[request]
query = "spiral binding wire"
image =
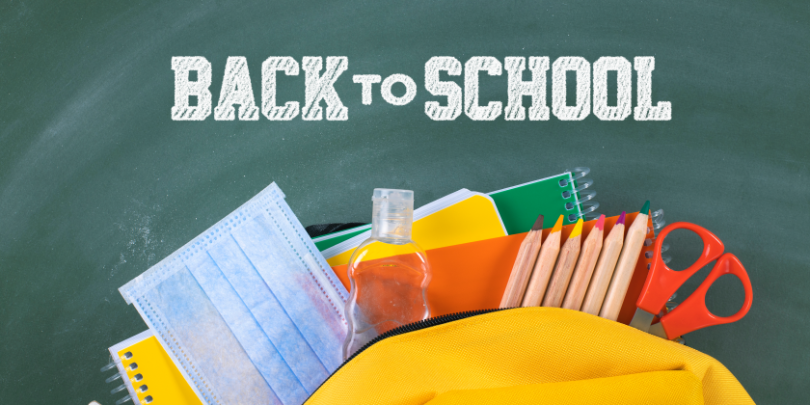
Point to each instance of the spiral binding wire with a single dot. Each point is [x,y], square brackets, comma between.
[587,207]
[658,223]
[115,377]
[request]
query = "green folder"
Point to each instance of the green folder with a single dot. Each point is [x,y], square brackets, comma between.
[519,206]
[324,242]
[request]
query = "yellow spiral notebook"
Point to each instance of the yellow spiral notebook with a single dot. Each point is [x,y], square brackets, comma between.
[149,374]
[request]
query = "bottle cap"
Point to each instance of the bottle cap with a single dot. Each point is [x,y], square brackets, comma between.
[392,215]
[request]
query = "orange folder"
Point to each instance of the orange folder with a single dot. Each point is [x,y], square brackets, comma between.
[473,276]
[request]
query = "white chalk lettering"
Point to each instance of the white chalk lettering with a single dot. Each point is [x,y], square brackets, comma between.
[437,87]
[193,100]
[471,86]
[185,89]
[322,88]
[366,81]
[270,110]
[644,110]
[410,89]
[236,89]
[536,88]
[624,90]
[559,106]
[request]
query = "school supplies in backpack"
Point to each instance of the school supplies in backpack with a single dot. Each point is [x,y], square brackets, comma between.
[461,217]
[567,194]
[473,276]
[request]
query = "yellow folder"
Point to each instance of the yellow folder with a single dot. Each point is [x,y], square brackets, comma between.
[461,217]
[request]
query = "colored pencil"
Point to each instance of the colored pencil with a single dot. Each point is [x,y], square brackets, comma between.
[543,267]
[524,263]
[585,265]
[565,267]
[604,268]
[626,265]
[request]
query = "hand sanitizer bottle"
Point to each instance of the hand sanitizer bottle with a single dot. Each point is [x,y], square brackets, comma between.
[389,273]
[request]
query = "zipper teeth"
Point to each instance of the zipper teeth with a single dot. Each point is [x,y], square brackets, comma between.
[418,325]
[411,327]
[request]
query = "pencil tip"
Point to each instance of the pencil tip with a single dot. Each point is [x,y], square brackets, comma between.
[577,229]
[538,225]
[646,208]
[600,223]
[621,219]
[558,224]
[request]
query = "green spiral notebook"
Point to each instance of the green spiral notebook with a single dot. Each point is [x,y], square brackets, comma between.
[563,194]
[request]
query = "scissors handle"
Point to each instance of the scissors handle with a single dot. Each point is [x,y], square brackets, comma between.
[662,281]
[693,314]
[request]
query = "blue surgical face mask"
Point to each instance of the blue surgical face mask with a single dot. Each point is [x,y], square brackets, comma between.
[249,311]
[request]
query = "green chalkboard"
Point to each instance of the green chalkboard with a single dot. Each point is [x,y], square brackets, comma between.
[98,183]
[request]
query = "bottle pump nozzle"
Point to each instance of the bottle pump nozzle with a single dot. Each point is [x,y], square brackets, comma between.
[392,214]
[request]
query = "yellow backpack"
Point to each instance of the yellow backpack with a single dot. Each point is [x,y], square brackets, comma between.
[527,356]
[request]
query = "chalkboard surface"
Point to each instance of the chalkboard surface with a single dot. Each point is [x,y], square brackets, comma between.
[97,183]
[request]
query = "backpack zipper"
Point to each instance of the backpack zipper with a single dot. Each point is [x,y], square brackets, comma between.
[411,327]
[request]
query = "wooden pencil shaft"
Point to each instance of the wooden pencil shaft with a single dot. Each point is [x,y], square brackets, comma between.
[562,272]
[582,273]
[542,271]
[520,262]
[624,268]
[600,279]
[522,270]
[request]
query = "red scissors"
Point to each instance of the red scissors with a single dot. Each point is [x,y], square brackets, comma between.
[662,282]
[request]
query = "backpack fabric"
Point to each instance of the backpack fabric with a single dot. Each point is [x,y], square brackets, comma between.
[530,356]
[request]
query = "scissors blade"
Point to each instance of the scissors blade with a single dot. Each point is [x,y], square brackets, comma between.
[658,330]
[642,320]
